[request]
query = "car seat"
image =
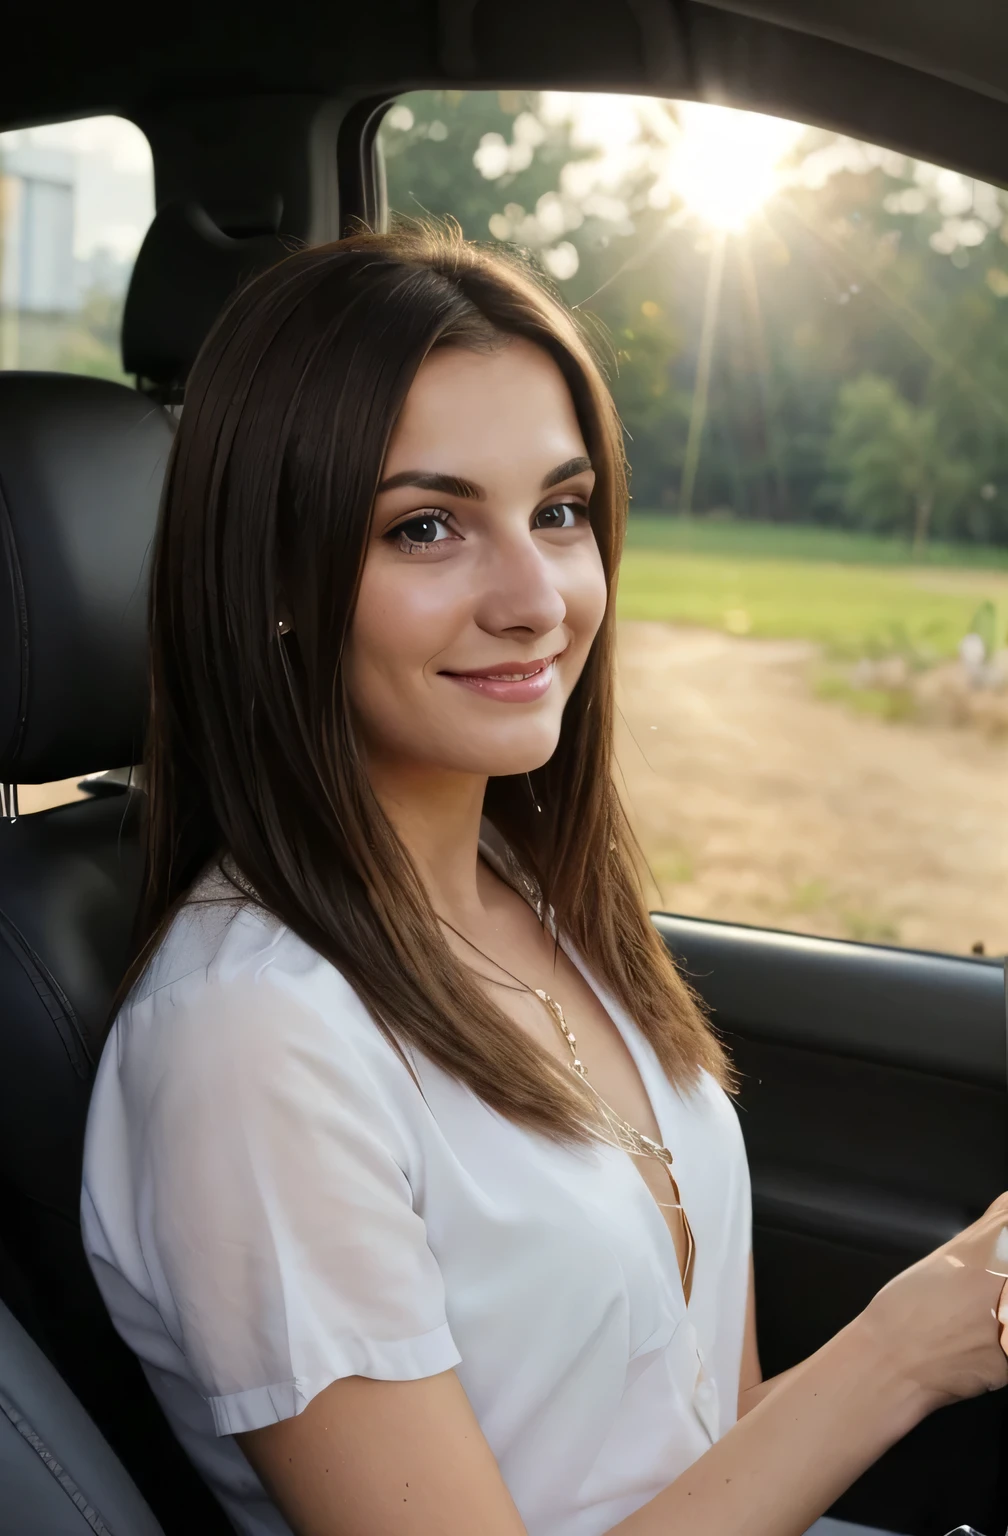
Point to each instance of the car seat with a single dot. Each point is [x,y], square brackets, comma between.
[81,467]
[58,1475]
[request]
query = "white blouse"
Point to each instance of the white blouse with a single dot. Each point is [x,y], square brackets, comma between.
[269,1204]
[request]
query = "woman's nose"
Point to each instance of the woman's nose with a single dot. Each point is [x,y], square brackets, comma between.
[520,590]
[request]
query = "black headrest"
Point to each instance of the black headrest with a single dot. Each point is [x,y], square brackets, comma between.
[81,467]
[185,272]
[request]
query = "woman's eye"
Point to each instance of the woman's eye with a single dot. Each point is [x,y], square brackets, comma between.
[563,514]
[420,532]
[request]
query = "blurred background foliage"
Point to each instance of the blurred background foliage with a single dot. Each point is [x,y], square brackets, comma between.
[857,359]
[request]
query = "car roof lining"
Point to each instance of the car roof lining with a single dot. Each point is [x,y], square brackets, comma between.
[897,74]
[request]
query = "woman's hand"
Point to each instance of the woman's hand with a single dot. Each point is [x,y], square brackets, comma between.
[938,1322]
[929,1337]
[410,1455]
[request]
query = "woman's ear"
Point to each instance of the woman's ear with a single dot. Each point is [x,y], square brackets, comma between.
[284,622]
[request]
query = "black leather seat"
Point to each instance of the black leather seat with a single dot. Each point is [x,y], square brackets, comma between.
[81,466]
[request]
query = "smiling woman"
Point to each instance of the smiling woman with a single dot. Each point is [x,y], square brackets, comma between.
[431,589]
[342,605]
[438,1217]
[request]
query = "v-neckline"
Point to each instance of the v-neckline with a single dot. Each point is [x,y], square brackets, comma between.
[635,1044]
[502,861]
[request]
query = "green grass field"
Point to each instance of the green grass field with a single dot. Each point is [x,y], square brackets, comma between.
[852,593]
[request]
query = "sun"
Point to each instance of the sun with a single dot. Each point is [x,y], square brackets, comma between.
[726,164]
[716,164]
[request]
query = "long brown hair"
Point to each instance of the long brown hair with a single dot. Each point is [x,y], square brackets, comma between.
[252,749]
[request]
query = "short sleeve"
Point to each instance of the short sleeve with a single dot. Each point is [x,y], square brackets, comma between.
[277,1220]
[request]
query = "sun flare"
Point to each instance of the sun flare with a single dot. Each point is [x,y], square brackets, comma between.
[726,164]
[718,164]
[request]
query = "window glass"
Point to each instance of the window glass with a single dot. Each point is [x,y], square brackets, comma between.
[75,202]
[807,339]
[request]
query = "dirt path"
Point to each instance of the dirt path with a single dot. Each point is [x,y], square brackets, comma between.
[757,802]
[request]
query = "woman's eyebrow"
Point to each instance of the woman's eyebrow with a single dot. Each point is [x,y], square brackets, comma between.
[454,485]
[566,471]
[431,480]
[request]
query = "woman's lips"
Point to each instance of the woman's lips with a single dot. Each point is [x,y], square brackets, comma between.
[504,685]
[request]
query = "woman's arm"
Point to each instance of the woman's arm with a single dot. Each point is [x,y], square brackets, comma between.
[408,1458]
[385,1458]
[796,1451]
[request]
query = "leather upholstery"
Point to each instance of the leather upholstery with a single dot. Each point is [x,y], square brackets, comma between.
[185,272]
[81,466]
[58,1475]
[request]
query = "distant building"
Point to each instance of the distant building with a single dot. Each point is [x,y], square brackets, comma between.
[37,272]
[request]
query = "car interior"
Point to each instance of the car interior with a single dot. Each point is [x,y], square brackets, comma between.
[874,1095]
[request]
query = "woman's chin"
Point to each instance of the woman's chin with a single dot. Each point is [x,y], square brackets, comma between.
[527,765]
[512,762]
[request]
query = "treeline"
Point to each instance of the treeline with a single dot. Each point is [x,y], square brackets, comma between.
[859,369]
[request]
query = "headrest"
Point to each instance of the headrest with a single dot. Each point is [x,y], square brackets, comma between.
[185,272]
[81,467]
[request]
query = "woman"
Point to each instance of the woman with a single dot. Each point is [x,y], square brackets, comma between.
[391,1265]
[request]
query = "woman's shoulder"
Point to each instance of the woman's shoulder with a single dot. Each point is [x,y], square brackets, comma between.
[232,993]
[220,938]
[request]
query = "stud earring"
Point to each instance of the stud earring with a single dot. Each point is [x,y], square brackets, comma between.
[283,627]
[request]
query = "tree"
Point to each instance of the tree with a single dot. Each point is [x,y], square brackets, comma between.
[498,165]
[874,265]
[891,469]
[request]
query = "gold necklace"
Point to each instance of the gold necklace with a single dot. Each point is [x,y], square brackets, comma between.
[630,1139]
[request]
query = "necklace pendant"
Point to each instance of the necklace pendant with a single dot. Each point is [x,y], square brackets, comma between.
[553,1006]
[653,1149]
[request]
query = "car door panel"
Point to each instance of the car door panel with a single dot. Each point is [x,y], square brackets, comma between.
[874,1103]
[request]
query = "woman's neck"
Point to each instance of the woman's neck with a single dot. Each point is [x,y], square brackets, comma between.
[438,817]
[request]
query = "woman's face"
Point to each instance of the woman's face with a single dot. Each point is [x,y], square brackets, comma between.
[483,587]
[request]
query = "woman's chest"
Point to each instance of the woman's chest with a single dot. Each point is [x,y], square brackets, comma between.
[561,1281]
[538,986]
[591,1038]
[554,1241]
[563,1296]
[567,1018]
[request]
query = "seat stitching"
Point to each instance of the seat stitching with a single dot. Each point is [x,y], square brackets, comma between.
[59,1472]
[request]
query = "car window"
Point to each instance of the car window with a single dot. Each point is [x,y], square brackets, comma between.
[75,202]
[806,337]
